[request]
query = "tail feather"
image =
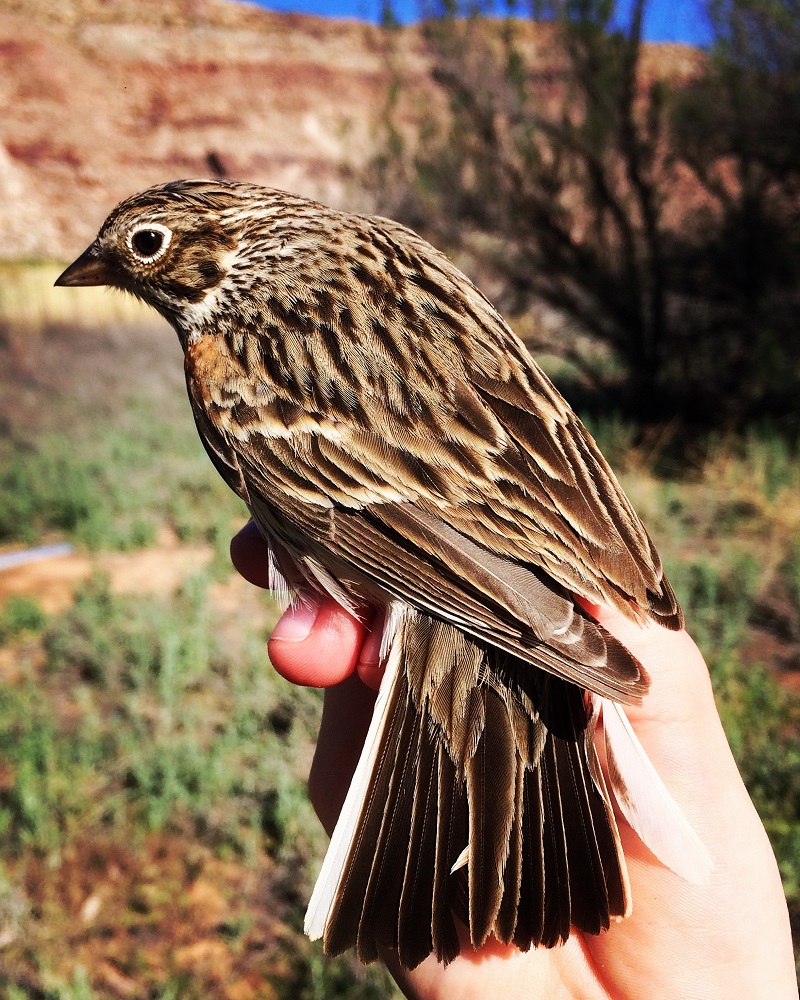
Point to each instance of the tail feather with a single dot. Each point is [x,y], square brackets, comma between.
[556,886]
[508,913]
[529,928]
[516,799]
[385,855]
[490,776]
[340,880]
[415,919]
[588,878]
[451,836]
[646,803]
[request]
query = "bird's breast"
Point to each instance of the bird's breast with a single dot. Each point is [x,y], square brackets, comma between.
[239,404]
[210,367]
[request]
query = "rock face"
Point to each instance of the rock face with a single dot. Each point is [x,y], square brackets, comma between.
[101,98]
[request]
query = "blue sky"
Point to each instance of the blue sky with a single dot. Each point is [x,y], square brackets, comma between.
[666,21]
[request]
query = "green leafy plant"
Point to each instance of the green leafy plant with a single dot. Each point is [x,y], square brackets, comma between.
[21,615]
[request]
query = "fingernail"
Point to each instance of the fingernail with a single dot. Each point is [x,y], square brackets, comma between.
[298,621]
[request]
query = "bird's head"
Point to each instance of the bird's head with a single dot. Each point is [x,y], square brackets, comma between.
[179,245]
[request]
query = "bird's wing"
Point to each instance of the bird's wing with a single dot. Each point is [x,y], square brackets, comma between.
[537,494]
[431,399]
[435,457]
[418,559]
[519,473]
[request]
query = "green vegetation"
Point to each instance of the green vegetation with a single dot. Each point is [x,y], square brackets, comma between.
[20,615]
[152,722]
[114,486]
[141,740]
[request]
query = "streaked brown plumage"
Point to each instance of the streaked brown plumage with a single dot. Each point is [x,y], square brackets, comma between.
[392,435]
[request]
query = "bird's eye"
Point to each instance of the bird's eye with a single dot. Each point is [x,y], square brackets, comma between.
[148,243]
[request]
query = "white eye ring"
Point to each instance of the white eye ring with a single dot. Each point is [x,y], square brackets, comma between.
[154,228]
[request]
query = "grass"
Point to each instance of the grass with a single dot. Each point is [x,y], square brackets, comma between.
[20,615]
[114,486]
[148,722]
[99,445]
[154,832]
[150,669]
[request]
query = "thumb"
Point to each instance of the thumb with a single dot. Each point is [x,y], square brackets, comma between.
[316,642]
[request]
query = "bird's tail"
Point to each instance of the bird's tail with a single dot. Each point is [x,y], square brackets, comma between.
[478,798]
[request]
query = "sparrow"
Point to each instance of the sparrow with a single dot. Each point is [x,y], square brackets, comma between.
[398,447]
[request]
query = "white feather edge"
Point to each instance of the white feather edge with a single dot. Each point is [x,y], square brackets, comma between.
[321,902]
[282,591]
[461,861]
[646,804]
[317,575]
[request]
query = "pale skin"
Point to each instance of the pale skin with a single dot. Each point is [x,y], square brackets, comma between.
[729,938]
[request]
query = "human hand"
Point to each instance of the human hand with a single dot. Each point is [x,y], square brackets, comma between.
[729,938]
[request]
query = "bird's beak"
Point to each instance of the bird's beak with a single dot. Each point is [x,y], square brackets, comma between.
[89,269]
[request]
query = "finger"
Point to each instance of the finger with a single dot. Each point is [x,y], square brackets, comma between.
[370,667]
[680,686]
[317,643]
[680,730]
[250,555]
[346,715]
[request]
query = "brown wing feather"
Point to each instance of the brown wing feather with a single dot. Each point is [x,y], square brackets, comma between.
[302,497]
[398,567]
[420,393]
[569,493]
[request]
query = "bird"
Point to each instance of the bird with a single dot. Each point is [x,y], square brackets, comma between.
[397,446]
